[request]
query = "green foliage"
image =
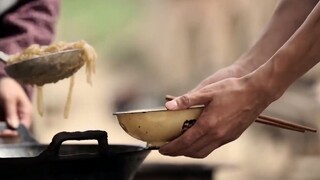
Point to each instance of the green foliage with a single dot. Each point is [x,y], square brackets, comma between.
[96,21]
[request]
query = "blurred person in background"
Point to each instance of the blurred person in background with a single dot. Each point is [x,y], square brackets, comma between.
[235,95]
[22,23]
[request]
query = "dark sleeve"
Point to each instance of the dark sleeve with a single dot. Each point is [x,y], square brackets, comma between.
[29,22]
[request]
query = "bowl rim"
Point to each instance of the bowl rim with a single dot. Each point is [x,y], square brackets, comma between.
[153,110]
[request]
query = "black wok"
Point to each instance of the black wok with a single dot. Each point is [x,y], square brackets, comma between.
[30,160]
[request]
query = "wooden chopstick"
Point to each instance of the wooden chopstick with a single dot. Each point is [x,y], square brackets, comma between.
[169,97]
[280,121]
[262,121]
[273,121]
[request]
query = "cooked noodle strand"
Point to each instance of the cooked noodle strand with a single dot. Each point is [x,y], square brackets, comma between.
[40,100]
[69,98]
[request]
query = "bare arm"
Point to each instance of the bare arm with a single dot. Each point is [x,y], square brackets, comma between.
[299,54]
[287,18]
[232,104]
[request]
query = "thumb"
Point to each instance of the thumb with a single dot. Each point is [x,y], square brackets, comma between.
[11,113]
[187,100]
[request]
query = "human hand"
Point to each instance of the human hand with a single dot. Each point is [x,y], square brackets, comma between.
[17,106]
[231,105]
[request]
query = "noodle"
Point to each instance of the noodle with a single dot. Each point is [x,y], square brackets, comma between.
[69,98]
[40,100]
[89,56]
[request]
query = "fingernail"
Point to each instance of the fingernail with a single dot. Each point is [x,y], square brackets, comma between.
[172,105]
[14,123]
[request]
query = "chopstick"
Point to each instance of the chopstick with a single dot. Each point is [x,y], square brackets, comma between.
[280,121]
[263,119]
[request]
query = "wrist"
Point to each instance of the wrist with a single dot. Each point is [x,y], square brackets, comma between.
[267,82]
[252,60]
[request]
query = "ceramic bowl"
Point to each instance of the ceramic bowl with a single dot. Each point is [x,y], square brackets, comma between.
[157,126]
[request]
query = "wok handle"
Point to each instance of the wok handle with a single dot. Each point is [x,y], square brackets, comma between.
[53,149]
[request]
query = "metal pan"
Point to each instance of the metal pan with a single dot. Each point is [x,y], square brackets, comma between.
[55,161]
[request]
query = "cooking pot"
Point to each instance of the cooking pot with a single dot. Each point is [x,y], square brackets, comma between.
[31,160]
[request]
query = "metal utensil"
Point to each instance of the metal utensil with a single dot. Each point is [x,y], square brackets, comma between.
[4,57]
[24,134]
[45,69]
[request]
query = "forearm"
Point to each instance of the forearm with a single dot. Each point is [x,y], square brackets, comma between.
[287,18]
[298,55]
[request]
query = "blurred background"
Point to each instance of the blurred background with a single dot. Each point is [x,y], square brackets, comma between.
[148,49]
